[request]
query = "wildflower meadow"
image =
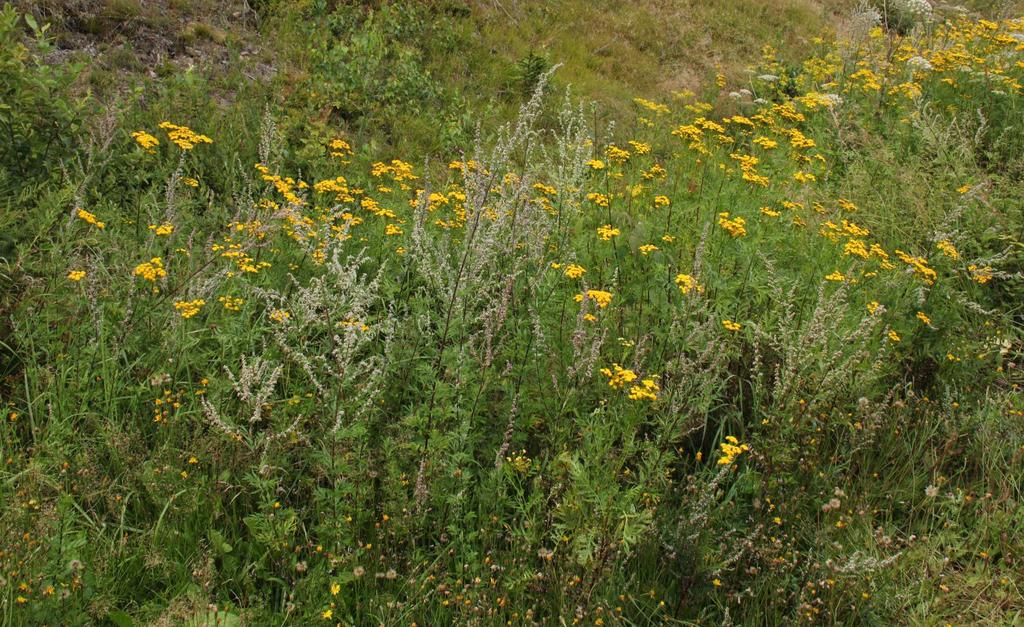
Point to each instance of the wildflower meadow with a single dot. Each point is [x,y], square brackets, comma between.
[746,351]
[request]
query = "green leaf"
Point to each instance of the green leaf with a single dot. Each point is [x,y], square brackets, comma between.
[119,618]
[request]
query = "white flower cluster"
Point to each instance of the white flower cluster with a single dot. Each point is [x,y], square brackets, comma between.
[920,9]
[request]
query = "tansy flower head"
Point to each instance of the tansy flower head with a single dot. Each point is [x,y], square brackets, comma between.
[602,298]
[607,232]
[688,284]
[150,270]
[184,137]
[735,227]
[91,219]
[646,391]
[618,376]
[574,271]
[189,308]
[146,141]
[731,449]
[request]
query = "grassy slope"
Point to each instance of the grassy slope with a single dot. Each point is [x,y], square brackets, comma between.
[464,55]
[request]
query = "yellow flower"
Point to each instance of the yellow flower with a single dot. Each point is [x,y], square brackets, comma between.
[76,275]
[616,154]
[618,376]
[280,315]
[91,219]
[923,317]
[231,303]
[948,249]
[647,390]
[607,232]
[146,141]
[734,226]
[731,449]
[327,614]
[150,270]
[339,148]
[873,306]
[895,337]
[647,249]
[662,201]
[574,271]
[687,284]
[602,298]
[184,137]
[601,200]
[162,229]
[596,164]
[189,308]
[335,589]
[980,275]
[836,276]
[392,229]
[731,326]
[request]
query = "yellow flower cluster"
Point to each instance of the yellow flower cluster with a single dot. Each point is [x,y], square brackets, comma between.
[607,232]
[735,227]
[948,249]
[91,219]
[184,137]
[601,200]
[339,148]
[646,391]
[602,298]
[162,229]
[146,141]
[688,284]
[731,449]
[150,270]
[189,308]
[919,265]
[574,271]
[618,376]
[397,170]
[231,303]
[981,275]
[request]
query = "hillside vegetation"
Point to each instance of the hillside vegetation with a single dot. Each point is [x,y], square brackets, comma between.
[442,313]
